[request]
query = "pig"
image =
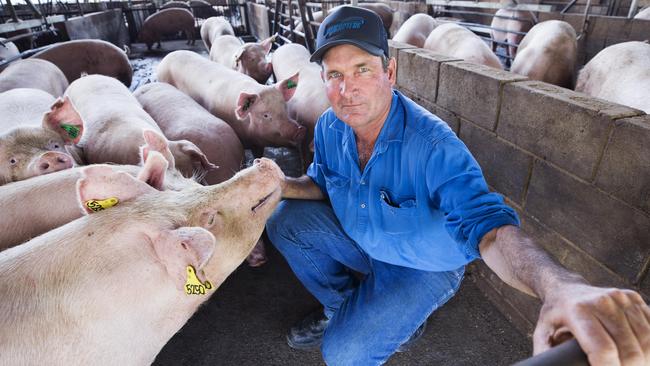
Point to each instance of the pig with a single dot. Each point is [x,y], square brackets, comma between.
[112,287]
[619,73]
[310,99]
[34,74]
[415,30]
[257,113]
[115,123]
[90,56]
[548,53]
[176,4]
[453,40]
[43,203]
[643,14]
[214,27]
[505,22]
[202,9]
[8,50]
[181,118]
[248,58]
[166,22]
[28,149]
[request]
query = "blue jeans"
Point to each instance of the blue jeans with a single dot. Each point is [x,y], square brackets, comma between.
[369,318]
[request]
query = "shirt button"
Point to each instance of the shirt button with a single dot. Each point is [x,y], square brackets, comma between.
[363,205]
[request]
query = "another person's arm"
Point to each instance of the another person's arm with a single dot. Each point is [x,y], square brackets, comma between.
[611,325]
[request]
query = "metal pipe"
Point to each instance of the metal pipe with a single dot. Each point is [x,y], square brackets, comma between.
[633,7]
[12,11]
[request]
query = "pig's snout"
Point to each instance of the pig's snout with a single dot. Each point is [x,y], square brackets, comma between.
[268,166]
[53,162]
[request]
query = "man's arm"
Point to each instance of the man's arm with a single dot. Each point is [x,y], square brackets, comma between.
[611,325]
[301,188]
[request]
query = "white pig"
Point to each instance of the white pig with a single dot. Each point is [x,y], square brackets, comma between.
[451,39]
[548,53]
[42,203]
[619,74]
[247,58]
[257,113]
[35,74]
[415,30]
[115,122]
[111,288]
[506,22]
[643,14]
[214,27]
[34,132]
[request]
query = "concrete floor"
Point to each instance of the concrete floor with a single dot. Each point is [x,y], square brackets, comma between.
[245,321]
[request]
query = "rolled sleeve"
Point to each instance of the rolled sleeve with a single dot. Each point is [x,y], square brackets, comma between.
[456,183]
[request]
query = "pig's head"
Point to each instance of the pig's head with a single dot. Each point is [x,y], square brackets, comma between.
[270,124]
[234,212]
[182,155]
[251,59]
[26,152]
[169,248]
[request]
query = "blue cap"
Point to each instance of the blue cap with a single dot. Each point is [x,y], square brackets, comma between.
[351,25]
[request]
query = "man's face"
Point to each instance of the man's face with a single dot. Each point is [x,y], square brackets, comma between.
[358,88]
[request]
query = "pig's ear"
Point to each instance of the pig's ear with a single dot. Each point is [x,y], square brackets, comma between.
[64,119]
[288,86]
[237,58]
[199,161]
[268,43]
[153,171]
[156,142]
[244,104]
[176,249]
[101,187]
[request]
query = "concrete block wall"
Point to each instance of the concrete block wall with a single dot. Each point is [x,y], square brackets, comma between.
[106,25]
[577,169]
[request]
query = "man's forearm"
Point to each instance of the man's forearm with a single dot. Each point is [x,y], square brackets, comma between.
[519,262]
[301,188]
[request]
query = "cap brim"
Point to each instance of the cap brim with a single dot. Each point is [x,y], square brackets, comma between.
[317,56]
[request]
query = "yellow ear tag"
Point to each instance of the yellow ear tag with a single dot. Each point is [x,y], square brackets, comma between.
[193,286]
[98,205]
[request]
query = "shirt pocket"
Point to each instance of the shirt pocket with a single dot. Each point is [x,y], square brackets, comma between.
[398,214]
[333,180]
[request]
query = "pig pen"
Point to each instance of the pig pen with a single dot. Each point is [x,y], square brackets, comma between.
[246,320]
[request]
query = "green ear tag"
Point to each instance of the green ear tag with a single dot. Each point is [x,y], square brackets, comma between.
[72,130]
[291,84]
[247,104]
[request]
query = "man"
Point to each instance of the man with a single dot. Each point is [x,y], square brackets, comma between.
[408,208]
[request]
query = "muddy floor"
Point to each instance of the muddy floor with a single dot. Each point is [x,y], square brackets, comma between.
[246,320]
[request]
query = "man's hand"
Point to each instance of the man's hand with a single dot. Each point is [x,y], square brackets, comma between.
[611,325]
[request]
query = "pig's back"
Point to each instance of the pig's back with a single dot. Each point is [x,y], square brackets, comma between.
[180,118]
[91,56]
[210,84]
[223,50]
[415,30]
[169,20]
[289,59]
[456,41]
[23,107]
[35,74]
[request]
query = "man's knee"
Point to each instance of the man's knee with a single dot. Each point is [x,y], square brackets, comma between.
[339,350]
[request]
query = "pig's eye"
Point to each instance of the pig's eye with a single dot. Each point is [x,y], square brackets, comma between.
[211,220]
[267,116]
[13,161]
[56,146]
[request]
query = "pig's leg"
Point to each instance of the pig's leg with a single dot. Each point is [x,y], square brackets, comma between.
[258,256]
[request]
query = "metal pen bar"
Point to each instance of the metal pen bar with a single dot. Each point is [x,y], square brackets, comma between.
[568,353]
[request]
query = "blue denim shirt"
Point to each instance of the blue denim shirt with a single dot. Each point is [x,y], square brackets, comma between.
[421,201]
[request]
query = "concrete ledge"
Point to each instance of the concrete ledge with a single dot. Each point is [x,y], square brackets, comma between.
[472,91]
[105,25]
[567,128]
[419,69]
